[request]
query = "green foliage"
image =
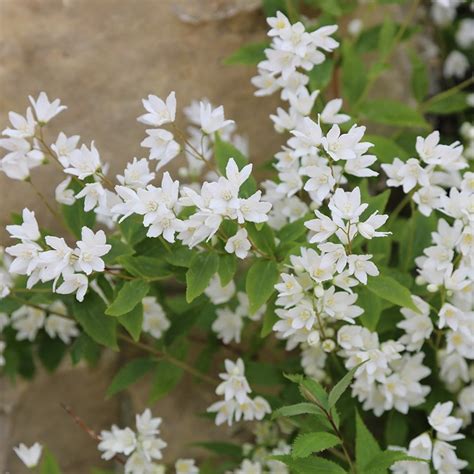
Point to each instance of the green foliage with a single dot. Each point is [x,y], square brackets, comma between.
[321,74]
[354,75]
[49,464]
[131,293]
[306,444]
[227,268]
[303,408]
[249,54]
[74,216]
[372,307]
[337,391]
[386,149]
[366,447]
[389,289]
[310,465]
[202,269]
[130,373]
[447,104]
[148,268]
[391,112]
[133,321]
[90,314]
[419,77]
[263,237]
[259,285]
[166,377]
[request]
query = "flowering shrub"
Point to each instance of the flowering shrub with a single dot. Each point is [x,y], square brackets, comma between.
[356,254]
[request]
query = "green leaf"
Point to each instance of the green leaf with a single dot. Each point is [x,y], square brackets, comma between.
[371,305]
[221,448]
[130,373]
[259,285]
[321,74]
[419,77]
[396,429]
[260,373]
[303,408]
[50,351]
[366,446]
[310,465]
[262,237]
[382,461]
[133,230]
[165,378]
[269,318]
[447,104]
[118,249]
[250,53]
[293,230]
[148,268]
[223,151]
[74,216]
[312,390]
[306,444]
[341,386]
[354,74]
[85,348]
[131,293]
[133,321]
[389,289]
[49,465]
[227,268]
[90,314]
[180,257]
[386,36]
[391,112]
[332,7]
[202,269]
[385,149]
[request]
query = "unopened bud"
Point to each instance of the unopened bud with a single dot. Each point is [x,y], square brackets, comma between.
[419,280]
[319,292]
[432,288]
[313,339]
[328,345]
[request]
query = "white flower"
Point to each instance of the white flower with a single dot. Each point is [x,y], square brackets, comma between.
[239,244]
[163,147]
[217,293]
[212,120]
[117,441]
[91,248]
[228,325]
[28,230]
[224,410]
[344,146]
[146,424]
[451,317]
[74,283]
[64,146]
[186,466]
[465,35]
[84,162]
[136,175]
[321,180]
[61,327]
[27,321]
[29,456]
[355,26]
[347,205]
[23,127]
[159,111]
[368,228]
[63,194]
[249,467]
[417,325]
[456,65]
[447,427]
[234,385]
[330,112]
[44,109]
[445,460]
[94,194]
[155,321]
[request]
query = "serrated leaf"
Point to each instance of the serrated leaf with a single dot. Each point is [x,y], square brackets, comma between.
[306,444]
[227,268]
[310,465]
[132,229]
[250,53]
[391,112]
[303,408]
[341,386]
[259,285]
[312,390]
[419,77]
[382,461]
[90,314]
[366,446]
[263,237]
[389,289]
[202,269]
[130,373]
[447,104]
[148,268]
[386,36]
[131,293]
[133,321]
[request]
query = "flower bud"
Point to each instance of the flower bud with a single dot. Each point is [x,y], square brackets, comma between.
[419,280]
[328,345]
[432,288]
[313,339]
[319,291]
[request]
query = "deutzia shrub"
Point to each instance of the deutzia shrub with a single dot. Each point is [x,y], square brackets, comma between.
[337,293]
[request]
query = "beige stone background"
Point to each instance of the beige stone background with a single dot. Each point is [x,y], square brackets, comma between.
[101,57]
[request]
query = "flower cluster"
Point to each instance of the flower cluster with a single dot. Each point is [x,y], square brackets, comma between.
[293,49]
[28,320]
[387,379]
[438,451]
[237,404]
[442,164]
[51,258]
[23,138]
[142,447]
